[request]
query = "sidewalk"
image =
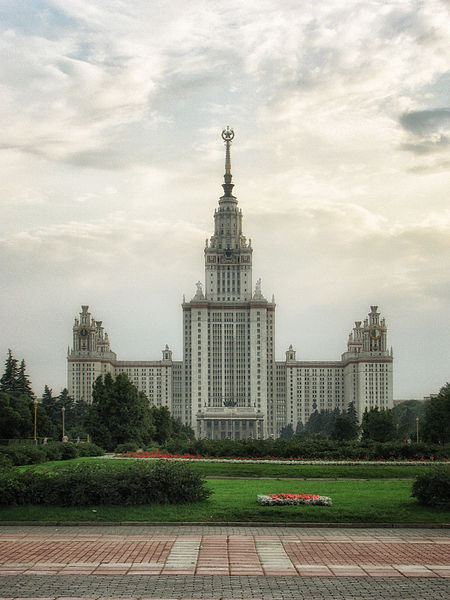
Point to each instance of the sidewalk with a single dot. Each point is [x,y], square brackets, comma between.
[222,562]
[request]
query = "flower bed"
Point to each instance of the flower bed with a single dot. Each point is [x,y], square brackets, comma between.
[158,454]
[289,499]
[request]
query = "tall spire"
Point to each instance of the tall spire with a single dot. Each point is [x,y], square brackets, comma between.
[227,136]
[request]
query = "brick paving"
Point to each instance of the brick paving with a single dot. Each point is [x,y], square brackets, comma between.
[222,562]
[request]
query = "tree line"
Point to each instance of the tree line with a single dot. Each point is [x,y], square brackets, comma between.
[429,419]
[17,407]
[120,415]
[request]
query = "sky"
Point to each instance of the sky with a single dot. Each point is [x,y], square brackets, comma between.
[111,167]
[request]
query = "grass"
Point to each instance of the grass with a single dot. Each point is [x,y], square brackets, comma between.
[235,501]
[373,499]
[255,470]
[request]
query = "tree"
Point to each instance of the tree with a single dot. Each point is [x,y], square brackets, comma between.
[163,424]
[8,382]
[321,423]
[287,432]
[119,413]
[23,384]
[436,426]
[378,425]
[16,416]
[405,415]
[344,428]
[351,412]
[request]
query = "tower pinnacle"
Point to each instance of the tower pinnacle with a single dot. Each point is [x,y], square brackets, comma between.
[227,136]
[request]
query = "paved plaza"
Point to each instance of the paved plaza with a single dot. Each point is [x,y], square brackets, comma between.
[222,562]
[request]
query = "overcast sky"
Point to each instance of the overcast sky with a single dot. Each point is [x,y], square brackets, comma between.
[112,164]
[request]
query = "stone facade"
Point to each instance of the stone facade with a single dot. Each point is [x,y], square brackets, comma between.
[229,384]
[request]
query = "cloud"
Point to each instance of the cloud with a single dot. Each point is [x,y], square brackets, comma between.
[341,130]
[424,122]
[429,129]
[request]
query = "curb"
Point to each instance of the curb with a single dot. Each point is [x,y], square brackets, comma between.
[226,524]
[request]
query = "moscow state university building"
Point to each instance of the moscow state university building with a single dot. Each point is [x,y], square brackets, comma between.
[229,384]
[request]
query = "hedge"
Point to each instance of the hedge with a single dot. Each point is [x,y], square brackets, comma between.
[32,455]
[95,484]
[311,449]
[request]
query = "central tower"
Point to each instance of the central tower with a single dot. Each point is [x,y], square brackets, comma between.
[229,332]
[228,256]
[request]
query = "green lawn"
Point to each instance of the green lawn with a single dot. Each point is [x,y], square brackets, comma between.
[234,501]
[254,470]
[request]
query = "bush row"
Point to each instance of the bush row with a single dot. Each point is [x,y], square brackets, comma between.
[311,449]
[93,484]
[32,455]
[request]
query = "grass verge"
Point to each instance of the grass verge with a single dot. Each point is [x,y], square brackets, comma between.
[235,501]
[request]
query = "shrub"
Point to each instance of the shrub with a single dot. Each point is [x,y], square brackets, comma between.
[30,455]
[128,447]
[433,488]
[89,450]
[86,485]
[24,455]
[69,451]
[53,450]
[5,461]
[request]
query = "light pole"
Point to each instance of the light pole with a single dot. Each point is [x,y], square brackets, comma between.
[417,429]
[63,410]
[35,419]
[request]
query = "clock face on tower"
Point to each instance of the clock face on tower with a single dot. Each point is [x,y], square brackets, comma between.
[83,332]
[375,333]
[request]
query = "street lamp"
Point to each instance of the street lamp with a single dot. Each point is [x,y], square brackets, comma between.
[35,419]
[417,429]
[63,410]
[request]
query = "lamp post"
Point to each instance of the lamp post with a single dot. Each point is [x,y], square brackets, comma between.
[63,410]
[35,420]
[417,429]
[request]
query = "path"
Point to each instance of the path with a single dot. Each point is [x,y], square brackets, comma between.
[215,562]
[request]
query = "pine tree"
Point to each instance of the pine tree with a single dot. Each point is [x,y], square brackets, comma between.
[23,382]
[287,432]
[8,382]
[351,411]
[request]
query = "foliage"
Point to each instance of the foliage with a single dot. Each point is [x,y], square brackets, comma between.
[8,381]
[162,424]
[378,425]
[321,423]
[234,501]
[119,413]
[23,384]
[15,379]
[120,417]
[405,415]
[310,449]
[436,426]
[92,484]
[287,432]
[16,416]
[25,454]
[74,414]
[433,488]
[127,447]
[344,428]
